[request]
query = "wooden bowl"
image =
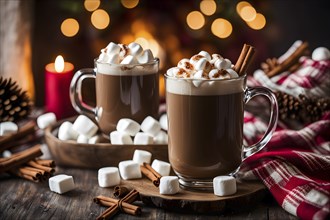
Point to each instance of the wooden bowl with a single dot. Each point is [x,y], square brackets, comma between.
[73,154]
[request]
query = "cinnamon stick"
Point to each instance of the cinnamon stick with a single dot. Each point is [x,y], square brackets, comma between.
[149,172]
[120,191]
[290,61]
[241,57]
[34,164]
[47,163]
[248,58]
[127,208]
[20,158]
[22,132]
[112,210]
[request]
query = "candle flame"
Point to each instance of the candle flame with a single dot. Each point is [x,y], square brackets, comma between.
[59,64]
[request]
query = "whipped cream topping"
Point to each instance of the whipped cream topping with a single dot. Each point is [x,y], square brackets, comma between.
[132,53]
[203,66]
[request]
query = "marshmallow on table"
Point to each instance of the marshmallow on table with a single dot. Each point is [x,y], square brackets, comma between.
[161,167]
[169,185]
[224,185]
[61,183]
[150,126]
[85,126]
[161,138]
[82,139]
[321,53]
[142,156]
[163,122]
[108,176]
[128,126]
[129,169]
[143,138]
[65,132]
[117,137]
[7,128]
[6,153]
[45,120]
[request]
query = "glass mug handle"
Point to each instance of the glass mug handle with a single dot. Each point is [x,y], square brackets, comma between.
[75,91]
[249,94]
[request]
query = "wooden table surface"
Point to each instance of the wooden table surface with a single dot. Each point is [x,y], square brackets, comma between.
[23,199]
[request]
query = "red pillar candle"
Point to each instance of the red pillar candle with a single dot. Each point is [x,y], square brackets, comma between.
[57,84]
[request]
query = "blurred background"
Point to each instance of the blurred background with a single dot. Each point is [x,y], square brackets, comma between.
[34,32]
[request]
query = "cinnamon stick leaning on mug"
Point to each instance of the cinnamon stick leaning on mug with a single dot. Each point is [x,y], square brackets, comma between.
[244,59]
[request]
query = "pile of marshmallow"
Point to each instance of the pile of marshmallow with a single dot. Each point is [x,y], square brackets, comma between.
[203,66]
[132,53]
[127,170]
[128,131]
[130,169]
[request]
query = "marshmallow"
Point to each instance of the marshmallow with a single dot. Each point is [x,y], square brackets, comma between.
[232,73]
[112,48]
[108,176]
[128,126]
[82,139]
[103,58]
[321,53]
[85,126]
[162,167]
[200,64]
[113,58]
[129,59]
[143,139]
[205,54]
[6,153]
[145,57]
[45,120]
[65,132]
[150,126]
[61,183]
[95,139]
[186,65]
[129,170]
[163,122]
[161,138]
[135,49]
[222,64]
[142,156]
[7,128]
[117,137]
[224,185]
[169,185]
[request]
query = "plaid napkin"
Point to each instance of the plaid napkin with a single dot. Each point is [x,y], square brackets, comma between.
[295,164]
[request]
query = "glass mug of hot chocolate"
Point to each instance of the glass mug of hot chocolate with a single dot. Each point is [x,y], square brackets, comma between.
[205,100]
[126,82]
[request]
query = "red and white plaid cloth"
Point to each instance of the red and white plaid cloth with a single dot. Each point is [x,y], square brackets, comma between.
[295,164]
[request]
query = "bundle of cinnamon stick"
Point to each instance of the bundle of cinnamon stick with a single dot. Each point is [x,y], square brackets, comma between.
[118,205]
[26,165]
[272,66]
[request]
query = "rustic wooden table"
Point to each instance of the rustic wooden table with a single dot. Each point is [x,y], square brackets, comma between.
[23,199]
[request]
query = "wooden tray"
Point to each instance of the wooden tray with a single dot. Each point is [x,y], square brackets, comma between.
[248,195]
[73,154]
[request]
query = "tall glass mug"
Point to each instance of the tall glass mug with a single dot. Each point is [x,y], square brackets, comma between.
[205,128]
[122,91]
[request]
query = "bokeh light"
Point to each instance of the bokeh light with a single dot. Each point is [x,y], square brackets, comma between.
[127,39]
[91,5]
[143,42]
[248,13]
[258,22]
[129,3]
[195,20]
[208,7]
[221,28]
[241,5]
[70,27]
[100,19]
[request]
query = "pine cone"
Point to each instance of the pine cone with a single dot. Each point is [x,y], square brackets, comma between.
[303,109]
[14,103]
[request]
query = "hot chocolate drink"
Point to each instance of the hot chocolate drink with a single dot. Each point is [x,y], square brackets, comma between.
[205,100]
[125,96]
[205,130]
[126,82]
